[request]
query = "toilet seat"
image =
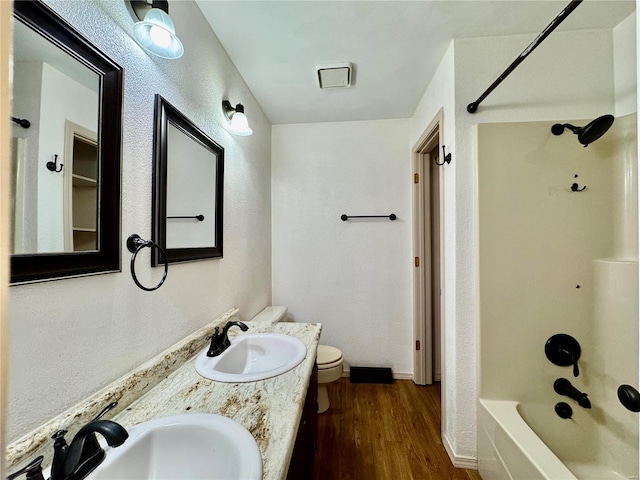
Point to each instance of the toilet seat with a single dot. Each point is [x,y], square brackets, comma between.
[328,366]
[328,357]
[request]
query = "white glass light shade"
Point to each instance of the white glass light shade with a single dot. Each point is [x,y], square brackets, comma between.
[240,125]
[157,35]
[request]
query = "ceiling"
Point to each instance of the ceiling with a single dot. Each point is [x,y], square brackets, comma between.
[395,46]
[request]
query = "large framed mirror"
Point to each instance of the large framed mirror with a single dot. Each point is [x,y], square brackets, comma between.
[66,139]
[188,182]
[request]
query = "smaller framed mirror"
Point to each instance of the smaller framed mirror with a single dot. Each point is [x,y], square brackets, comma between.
[187,188]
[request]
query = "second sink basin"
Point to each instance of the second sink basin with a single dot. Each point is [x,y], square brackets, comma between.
[252,357]
[191,446]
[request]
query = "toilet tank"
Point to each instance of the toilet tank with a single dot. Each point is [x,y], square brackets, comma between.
[273,314]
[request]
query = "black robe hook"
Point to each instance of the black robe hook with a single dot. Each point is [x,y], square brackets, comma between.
[575,188]
[53,166]
[447,158]
[23,122]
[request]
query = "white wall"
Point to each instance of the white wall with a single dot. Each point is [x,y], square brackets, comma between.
[62,99]
[354,276]
[440,94]
[191,188]
[27,79]
[69,338]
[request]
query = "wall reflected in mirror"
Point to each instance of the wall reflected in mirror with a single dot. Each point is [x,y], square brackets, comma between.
[55,210]
[191,199]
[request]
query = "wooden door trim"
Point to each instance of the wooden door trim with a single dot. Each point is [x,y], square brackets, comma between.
[431,136]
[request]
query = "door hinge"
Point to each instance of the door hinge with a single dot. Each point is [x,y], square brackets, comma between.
[416,261]
[417,345]
[416,178]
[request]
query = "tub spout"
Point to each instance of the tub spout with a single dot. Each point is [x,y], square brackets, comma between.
[563,386]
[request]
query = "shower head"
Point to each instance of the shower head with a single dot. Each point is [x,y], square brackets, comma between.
[590,132]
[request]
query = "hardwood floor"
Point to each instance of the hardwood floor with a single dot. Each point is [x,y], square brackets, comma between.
[380,432]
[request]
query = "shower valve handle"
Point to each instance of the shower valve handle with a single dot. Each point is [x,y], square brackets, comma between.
[574,360]
[563,350]
[629,397]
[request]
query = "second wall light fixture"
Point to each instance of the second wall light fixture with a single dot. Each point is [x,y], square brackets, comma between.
[155,31]
[238,123]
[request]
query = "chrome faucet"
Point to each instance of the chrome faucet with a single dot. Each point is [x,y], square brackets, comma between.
[84,454]
[563,386]
[220,341]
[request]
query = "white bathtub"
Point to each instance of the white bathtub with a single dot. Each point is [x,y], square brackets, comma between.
[508,449]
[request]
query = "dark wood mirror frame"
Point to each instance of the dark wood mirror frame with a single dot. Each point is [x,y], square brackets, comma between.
[165,113]
[44,266]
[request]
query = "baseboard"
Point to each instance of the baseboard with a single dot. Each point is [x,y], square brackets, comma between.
[396,375]
[468,463]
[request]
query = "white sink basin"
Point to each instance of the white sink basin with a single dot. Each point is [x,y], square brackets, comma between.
[252,357]
[185,447]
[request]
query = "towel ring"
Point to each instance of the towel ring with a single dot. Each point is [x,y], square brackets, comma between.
[134,245]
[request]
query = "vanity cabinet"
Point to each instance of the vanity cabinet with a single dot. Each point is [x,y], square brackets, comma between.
[304,450]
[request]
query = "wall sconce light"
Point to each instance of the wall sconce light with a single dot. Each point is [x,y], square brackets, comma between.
[239,125]
[155,31]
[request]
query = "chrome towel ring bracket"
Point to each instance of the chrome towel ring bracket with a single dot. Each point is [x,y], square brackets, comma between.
[134,245]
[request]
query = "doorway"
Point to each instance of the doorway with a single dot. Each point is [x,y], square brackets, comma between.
[428,229]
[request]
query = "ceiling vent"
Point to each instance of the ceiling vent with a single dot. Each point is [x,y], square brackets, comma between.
[337,75]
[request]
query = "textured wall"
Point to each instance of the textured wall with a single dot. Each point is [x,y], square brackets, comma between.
[354,276]
[69,338]
[440,95]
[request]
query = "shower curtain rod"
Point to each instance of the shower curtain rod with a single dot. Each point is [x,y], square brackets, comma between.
[473,107]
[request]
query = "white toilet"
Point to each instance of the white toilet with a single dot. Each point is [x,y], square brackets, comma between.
[273,314]
[329,370]
[329,359]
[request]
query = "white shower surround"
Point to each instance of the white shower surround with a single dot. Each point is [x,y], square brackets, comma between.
[554,261]
[543,87]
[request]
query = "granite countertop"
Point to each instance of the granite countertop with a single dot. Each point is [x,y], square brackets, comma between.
[168,384]
[270,409]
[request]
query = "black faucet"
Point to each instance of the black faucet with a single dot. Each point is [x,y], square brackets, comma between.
[564,387]
[220,341]
[33,471]
[84,454]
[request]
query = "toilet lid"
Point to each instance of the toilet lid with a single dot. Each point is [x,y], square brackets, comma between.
[327,354]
